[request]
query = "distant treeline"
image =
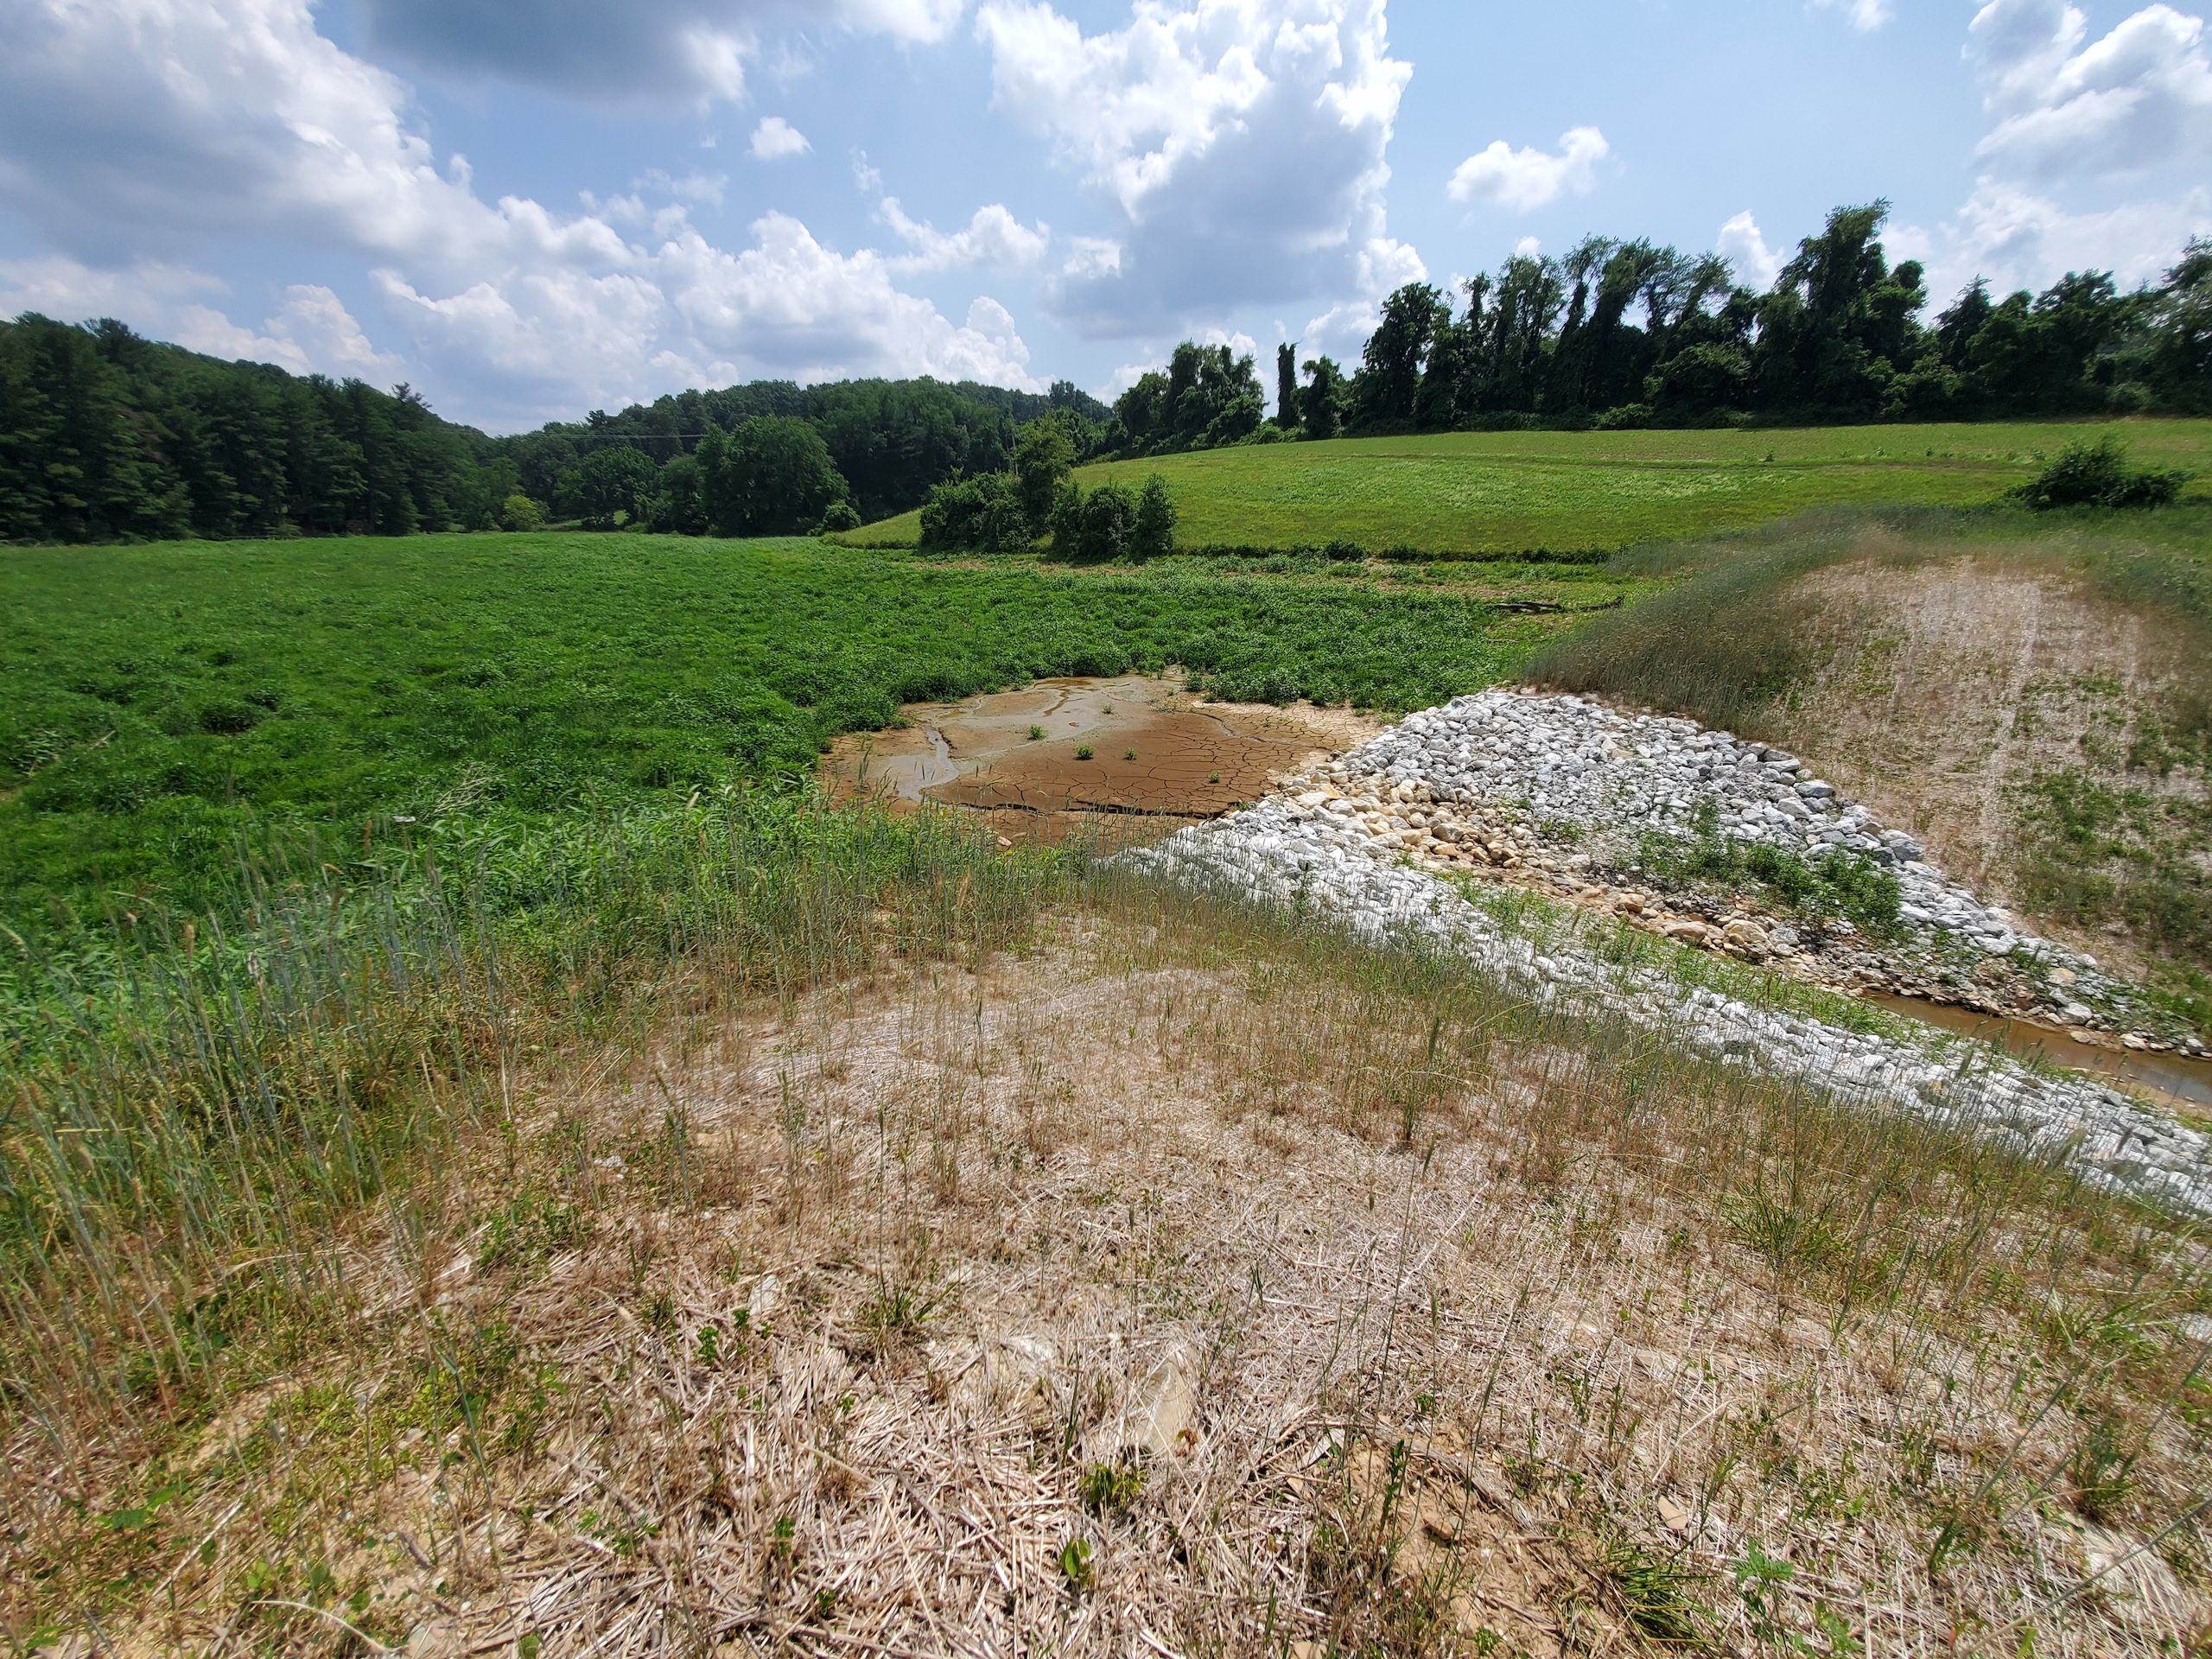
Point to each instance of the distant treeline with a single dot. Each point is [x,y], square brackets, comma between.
[105,437]
[1627,333]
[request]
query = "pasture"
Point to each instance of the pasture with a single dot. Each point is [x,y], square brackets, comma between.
[1494,493]
[157,702]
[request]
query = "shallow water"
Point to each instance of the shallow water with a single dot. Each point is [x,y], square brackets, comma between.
[2177,1078]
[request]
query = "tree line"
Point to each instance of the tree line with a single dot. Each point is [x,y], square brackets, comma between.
[107,437]
[1629,333]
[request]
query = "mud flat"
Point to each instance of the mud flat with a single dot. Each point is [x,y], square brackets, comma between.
[1061,752]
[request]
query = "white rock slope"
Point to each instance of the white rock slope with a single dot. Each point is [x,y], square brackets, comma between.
[1622,776]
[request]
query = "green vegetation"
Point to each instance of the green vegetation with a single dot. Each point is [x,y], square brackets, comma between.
[1843,884]
[2111,830]
[1489,493]
[1619,334]
[160,701]
[2097,474]
[104,436]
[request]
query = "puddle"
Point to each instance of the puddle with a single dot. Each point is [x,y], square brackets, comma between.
[2174,1077]
[1152,751]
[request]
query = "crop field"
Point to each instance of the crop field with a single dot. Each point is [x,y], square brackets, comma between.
[156,702]
[1489,492]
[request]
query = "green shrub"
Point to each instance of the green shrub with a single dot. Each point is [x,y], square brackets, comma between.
[521,514]
[2087,474]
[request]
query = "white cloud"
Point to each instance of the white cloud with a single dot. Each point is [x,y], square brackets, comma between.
[1743,245]
[1519,180]
[59,287]
[2018,238]
[993,237]
[692,187]
[2067,115]
[2140,97]
[1241,143]
[1528,247]
[697,50]
[313,333]
[157,122]
[776,138]
[1865,16]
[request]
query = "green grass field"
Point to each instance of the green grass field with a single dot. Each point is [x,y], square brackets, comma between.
[1488,493]
[156,702]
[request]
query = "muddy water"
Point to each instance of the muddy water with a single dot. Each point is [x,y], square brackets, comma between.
[2180,1081]
[1131,747]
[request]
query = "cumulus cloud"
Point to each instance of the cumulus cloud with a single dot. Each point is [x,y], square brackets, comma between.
[1744,245]
[775,138]
[1865,16]
[312,332]
[1519,180]
[2069,116]
[156,122]
[693,49]
[2138,98]
[993,237]
[2017,238]
[1239,142]
[1381,267]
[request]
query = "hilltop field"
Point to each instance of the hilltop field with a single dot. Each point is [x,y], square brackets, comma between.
[1490,493]
[494,1160]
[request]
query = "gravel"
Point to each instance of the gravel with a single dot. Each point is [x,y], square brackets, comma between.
[1618,777]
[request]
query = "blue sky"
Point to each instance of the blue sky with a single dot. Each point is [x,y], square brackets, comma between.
[530,208]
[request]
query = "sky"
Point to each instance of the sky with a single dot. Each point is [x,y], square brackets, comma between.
[528,209]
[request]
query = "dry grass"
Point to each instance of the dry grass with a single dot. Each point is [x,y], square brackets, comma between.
[1179,1281]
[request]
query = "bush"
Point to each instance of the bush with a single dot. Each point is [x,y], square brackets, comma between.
[1110,523]
[1155,533]
[519,513]
[984,512]
[840,515]
[2097,474]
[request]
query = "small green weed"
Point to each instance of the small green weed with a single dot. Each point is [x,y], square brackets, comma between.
[1656,1589]
[1111,1488]
[1075,1565]
[1082,751]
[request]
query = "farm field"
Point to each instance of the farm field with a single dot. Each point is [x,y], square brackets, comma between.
[155,701]
[1491,492]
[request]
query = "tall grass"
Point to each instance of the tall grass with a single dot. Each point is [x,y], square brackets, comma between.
[192,1136]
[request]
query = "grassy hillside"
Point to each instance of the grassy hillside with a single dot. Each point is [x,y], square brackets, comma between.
[1510,491]
[2034,695]
[155,701]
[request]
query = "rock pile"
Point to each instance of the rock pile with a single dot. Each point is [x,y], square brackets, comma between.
[1318,851]
[1562,791]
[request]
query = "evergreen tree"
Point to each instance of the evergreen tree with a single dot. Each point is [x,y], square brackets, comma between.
[1287,383]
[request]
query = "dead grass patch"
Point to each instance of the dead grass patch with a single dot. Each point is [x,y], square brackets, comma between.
[1399,1318]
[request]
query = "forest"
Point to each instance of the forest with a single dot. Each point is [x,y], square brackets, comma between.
[105,437]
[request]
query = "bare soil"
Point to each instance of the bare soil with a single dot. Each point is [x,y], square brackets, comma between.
[1947,684]
[1155,751]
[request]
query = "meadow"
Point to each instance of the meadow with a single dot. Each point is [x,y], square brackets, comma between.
[1498,492]
[157,702]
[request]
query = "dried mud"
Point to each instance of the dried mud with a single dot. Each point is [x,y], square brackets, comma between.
[1155,752]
